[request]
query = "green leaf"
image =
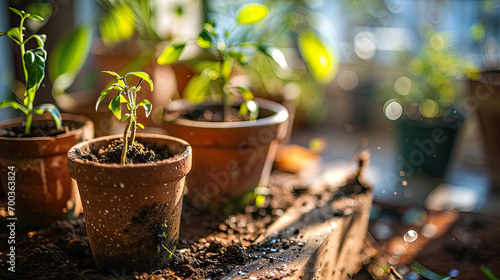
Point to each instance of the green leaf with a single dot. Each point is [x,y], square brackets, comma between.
[113,74]
[251,13]
[147,106]
[125,117]
[40,39]
[69,55]
[204,40]
[274,53]
[322,62]
[253,108]
[15,34]
[35,17]
[246,93]
[53,111]
[118,25]
[34,63]
[123,99]
[21,14]
[226,68]
[197,88]
[210,28]
[104,93]
[140,125]
[13,104]
[171,54]
[142,75]
[115,107]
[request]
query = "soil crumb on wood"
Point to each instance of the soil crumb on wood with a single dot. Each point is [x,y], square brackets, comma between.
[137,153]
[38,129]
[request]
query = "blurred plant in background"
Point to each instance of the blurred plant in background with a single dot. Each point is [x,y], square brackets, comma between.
[428,87]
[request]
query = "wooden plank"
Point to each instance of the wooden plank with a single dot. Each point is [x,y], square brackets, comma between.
[319,237]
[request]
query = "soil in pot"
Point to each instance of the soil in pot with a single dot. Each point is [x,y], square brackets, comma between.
[132,211]
[44,191]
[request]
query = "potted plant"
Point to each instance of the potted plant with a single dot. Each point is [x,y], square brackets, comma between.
[427,109]
[33,149]
[234,136]
[131,187]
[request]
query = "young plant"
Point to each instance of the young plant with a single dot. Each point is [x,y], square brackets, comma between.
[127,94]
[33,61]
[228,48]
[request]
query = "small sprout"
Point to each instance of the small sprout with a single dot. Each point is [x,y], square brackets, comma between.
[127,94]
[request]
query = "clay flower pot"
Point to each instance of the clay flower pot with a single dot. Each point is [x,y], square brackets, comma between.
[44,191]
[230,159]
[132,211]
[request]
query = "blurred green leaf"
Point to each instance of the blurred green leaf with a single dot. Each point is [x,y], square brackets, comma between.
[226,68]
[197,88]
[125,117]
[321,61]
[171,54]
[35,17]
[140,125]
[487,272]
[204,40]
[251,13]
[13,104]
[118,25]
[69,56]
[142,75]
[53,111]
[274,53]
[478,31]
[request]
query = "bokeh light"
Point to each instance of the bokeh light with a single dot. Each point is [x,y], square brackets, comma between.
[402,85]
[365,45]
[348,79]
[429,108]
[437,42]
[393,110]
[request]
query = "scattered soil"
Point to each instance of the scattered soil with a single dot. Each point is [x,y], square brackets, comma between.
[138,153]
[207,114]
[210,245]
[38,129]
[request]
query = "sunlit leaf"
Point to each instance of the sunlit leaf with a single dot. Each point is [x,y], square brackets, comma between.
[112,73]
[53,111]
[104,93]
[21,14]
[14,33]
[142,75]
[171,54]
[197,88]
[321,61]
[140,125]
[69,55]
[275,54]
[246,93]
[118,25]
[253,109]
[125,117]
[251,13]
[204,40]
[34,63]
[147,106]
[115,107]
[35,17]
[13,104]
[226,68]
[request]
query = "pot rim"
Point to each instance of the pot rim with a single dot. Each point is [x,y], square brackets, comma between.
[280,115]
[183,156]
[65,117]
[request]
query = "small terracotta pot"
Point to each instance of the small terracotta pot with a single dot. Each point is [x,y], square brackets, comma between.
[230,159]
[44,191]
[132,211]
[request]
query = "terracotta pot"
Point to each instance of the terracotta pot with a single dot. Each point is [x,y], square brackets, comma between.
[230,159]
[132,211]
[485,97]
[44,191]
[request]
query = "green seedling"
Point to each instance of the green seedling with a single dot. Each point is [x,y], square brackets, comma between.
[164,227]
[33,61]
[127,94]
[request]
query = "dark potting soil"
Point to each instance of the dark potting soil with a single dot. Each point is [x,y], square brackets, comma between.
[38,129]
[137,153]
[208,114]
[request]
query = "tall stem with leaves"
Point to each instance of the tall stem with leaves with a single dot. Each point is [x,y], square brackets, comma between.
[33,61]
[127,94]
